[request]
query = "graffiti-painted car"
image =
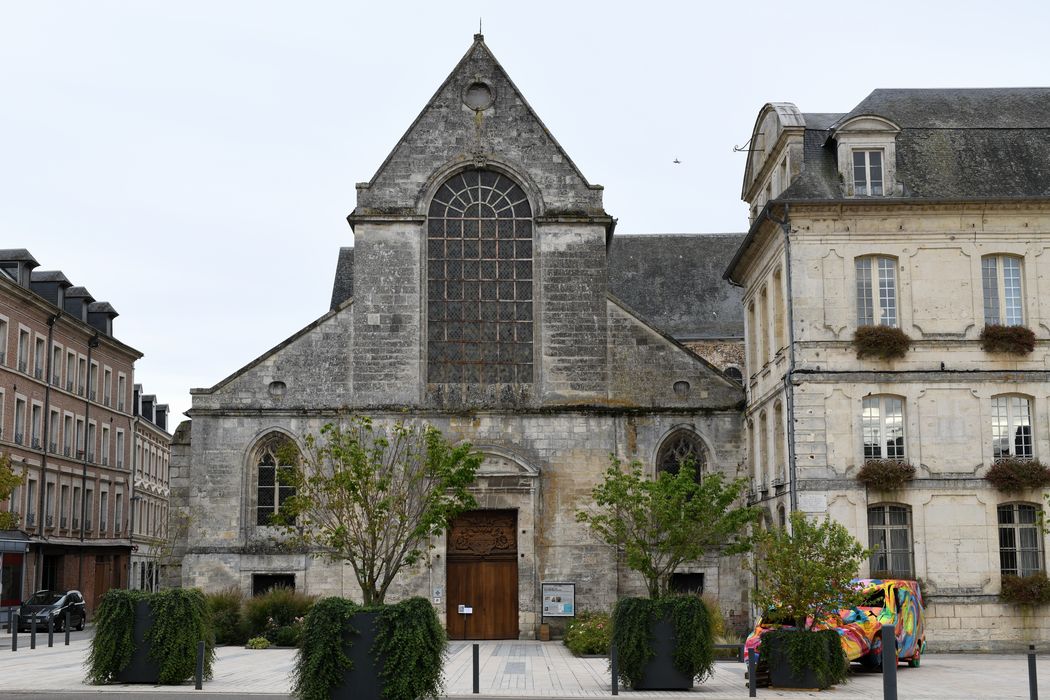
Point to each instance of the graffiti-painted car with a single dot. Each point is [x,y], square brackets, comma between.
[886,602]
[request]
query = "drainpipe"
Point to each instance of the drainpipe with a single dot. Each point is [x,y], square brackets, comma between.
[92,344]
[132,498]
[46,418]
[789,387]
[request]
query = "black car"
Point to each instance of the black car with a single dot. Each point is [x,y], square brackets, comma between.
[45,605]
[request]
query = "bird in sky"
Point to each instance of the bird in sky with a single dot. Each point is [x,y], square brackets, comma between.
[676,161]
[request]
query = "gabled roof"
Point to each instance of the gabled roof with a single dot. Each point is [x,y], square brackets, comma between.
[343,287]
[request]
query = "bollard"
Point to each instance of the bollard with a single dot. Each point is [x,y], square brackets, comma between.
[752,675]
[889,662]
[1033,684]
[199,677]
[477,670]
[50,630]
[32,632]
[14,634]
[614,666]
[65,628]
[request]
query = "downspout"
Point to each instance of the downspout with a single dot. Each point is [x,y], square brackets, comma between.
[46,418]
[92,344]
[132,503]
[789,387]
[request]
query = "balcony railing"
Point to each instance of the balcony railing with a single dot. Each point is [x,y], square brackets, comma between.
[107,399]
[80,454]
[36,443]
[38,372]
[102,527]
[3,358]
[120,405]
[21,365]
[120,463]
[91,394]
[87,525]
[20,438]
[105,461]
[53,449]
[76,523]
[49,521]
[63,522]
[91,457]
[80,390]
[65,451]
[56,380]
[69,385]
[30,518]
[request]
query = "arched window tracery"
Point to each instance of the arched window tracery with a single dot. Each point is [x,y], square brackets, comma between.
[680,447]
[273,468]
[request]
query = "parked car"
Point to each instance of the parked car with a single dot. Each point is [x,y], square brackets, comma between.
[894,602]
[45,605]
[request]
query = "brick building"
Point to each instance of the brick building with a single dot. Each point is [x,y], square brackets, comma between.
[67,422]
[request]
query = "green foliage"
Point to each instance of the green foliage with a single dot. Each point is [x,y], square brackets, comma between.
[113,643]
[633,619]
[180,621]
[589,633]
[881,342]
[1012,475]
[412,642]
[9,481]
[278,608]
[1014,340]
[885,474]
[373,496]
[1033,589]
[258,643]
[224,609]
[805,574]
[659,523]
[820,651]
[409,637]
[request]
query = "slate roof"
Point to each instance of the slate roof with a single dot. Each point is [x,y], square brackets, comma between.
[674,281]
[954,144]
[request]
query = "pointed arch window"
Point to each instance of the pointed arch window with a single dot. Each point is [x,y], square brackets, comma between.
[681,446]
[479,281]
[273,469]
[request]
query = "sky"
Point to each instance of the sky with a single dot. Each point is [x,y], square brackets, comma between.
[193,162]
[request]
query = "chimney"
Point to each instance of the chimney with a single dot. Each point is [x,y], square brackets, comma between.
[136,401]
[77,301]
[149,401]
[100,315]
[50,284]
[17,264]
[161,410]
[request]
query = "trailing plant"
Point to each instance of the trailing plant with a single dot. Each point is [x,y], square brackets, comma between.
[9,481]
[885,474]
[375,495]
[819,651]
[1015,340]
[657,524]
[258,643]
[225,610]
[633,619]
[114,642]
[409,639]
[277,608]
[1033,589]
[1011,475]
[881,342]
[589,633]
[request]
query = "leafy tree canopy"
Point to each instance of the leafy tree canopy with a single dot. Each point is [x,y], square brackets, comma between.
[9,481]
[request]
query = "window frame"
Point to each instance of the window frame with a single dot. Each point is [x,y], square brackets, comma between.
[865,187]
[269,447]
[1007,308]
[887,556]
[883,429]
[1015,527]
[669,447]
[873,306]
[1013,423]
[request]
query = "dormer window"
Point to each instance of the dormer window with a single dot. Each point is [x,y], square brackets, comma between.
[867,173]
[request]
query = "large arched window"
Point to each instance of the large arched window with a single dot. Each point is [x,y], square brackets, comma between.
[273,467]
[679,447]
[479,281]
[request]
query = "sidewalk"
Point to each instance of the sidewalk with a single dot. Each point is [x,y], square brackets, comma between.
[518,669]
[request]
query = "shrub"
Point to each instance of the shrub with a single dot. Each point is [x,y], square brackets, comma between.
[279,607]
[258,643]
[1015,340]
[632,621]
[881,342]
[885,474]
[820,651]
[286,636]
[224,609]
[1026,590]
[589,633]
[1013,475]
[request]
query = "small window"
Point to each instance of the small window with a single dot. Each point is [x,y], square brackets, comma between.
[734,373]
[876,291]
[882,422]
[867,173]
[889,537]
[1011,427]
[1020,539]
[1003,301]
[680,447]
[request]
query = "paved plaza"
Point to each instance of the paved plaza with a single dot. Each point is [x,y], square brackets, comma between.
[508,669]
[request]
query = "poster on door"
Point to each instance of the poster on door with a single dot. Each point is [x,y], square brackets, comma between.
[559,599]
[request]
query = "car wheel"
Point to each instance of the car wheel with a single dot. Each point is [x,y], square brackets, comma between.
[80,623]
[913,663]
[58,623]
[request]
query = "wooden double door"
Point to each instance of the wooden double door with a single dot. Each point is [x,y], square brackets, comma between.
[482,565]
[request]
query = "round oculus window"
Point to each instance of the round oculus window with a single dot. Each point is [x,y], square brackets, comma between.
[478,96]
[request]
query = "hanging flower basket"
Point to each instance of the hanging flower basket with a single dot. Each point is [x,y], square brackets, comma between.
[885,474]
[1014,340]
[1013,475]
[881,342]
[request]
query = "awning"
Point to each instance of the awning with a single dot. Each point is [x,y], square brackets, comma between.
[14,541]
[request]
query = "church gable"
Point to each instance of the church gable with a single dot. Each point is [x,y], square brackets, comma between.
[477,117]
[648,368]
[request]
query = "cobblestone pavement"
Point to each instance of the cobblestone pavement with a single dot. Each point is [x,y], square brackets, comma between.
[511,669]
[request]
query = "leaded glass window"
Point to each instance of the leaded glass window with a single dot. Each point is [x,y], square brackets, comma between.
[1020,539]
[273,485]
[682,446]
[479,281]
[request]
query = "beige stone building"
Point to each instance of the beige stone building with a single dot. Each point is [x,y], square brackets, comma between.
[927,211]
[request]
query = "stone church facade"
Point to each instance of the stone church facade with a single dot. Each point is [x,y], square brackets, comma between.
[477,298]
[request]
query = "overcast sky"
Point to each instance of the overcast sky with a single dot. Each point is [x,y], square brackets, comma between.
[193,162]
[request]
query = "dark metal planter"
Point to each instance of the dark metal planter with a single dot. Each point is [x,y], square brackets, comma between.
[141,669]
[781,674]
[660,673]
[362,681]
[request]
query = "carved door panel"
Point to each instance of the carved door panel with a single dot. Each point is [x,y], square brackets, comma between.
[483,575]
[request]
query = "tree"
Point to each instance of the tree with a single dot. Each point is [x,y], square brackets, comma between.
[657,524]
[373,496]
[806,574]
[9,481]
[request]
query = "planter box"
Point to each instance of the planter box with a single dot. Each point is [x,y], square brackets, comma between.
[362,681]
[781,675]
[141,669]
[660,673]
